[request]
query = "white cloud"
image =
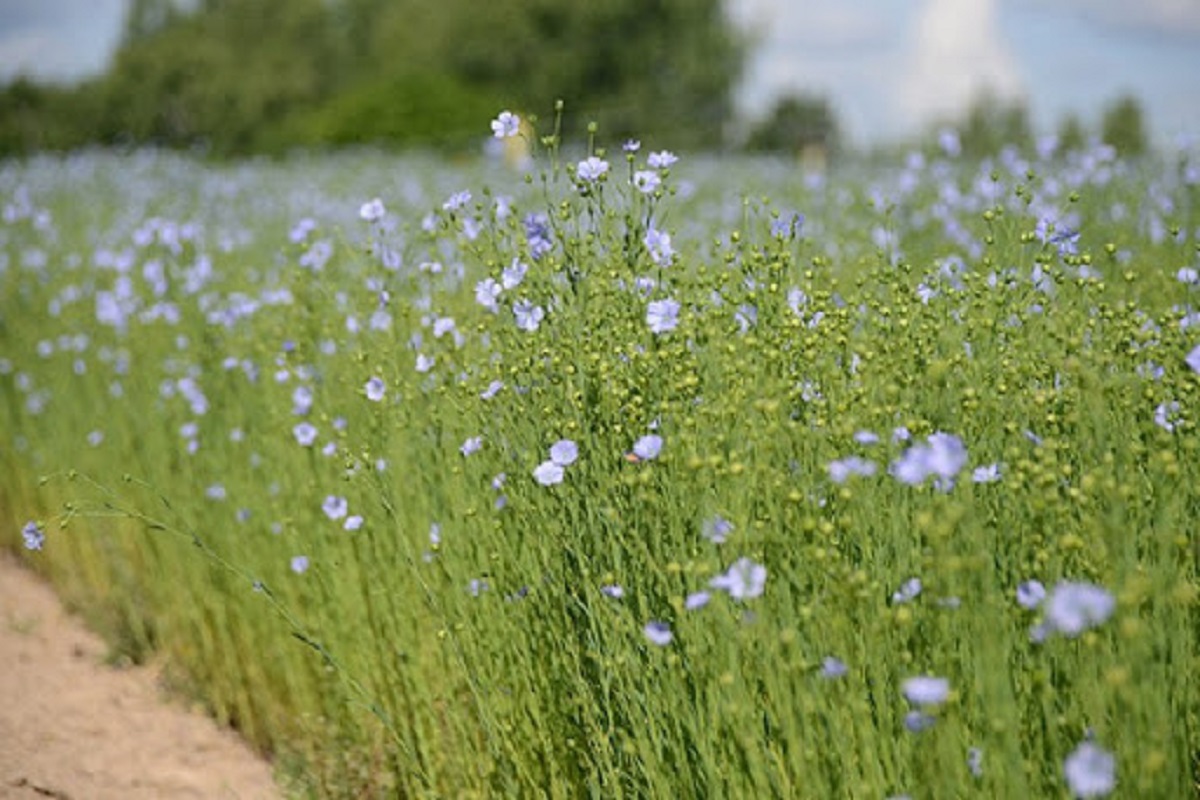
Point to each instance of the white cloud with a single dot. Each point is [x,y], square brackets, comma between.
[956,51]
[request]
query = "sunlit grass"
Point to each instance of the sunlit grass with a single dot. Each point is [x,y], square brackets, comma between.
[321,466]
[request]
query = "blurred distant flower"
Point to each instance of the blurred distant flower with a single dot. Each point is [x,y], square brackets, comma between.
[1030,594]
[215,492]
[425,363]
[492,390]
[375,389]
[1188,276]
[299,564]
[612,590]
[472,445]
[335,507]
[457,201]
[943,455]
[1075,607]
[1091,771]
[833,668]
[926,690]
[662,159]
[537,234]
[716,529]
[989,473]
[506,125]
[658,243]
[918,721]
[866,437]
[372,210]
[658,633]
[646,181]
[696,600]
[548,473]
[787,225]
[564,452]
[648,447]
[841,469]
[1166,416]
[662,315]
[949,142]
[744,580]
[529,316]
[631,146]
[353,522]
[908,591]
[33,536]
[591,169]
[975,761]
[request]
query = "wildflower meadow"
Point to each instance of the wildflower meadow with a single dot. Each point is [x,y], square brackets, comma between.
[631,473]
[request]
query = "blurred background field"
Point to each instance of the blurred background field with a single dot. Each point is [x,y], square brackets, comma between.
[677,444]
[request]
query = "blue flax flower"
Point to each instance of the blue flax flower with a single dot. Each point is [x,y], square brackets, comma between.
[1091,771]
[658,633]
[34,538]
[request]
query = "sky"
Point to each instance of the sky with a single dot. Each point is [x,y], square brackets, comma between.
[891,67]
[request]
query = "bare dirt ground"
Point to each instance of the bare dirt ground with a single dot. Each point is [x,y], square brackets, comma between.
[72,728]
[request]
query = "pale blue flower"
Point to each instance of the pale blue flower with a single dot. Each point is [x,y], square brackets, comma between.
[1166,415]
[662,315]
[548,473]
[658,633]
[866,437]
[529,316]
[506,125]
[299,564]
[372,210]
[613,590]
[425,363]
[989,473]
[648,447]
[833,668]
[1193,359]
[512,275]
[926,690]
[744,580]
[492,390]
[33,536]
[472,445]
[646,181]
[975,761]
[908,591]
[631,146]
[1187,276]
[1075,607]
[1090,770]
[696,600]
[658,243]
[662,159]
[375,389]
[918,721]
[564,452]
[335,507]
[716,529]
[457,201]
[841,470]
[591,169]
[1030,594]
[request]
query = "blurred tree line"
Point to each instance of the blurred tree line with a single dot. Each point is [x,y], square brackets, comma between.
[990,124]
[242,76]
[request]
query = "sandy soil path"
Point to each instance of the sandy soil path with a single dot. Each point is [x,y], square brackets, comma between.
[72,728]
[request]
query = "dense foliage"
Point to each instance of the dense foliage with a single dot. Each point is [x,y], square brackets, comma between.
[626,481]
[238,76]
